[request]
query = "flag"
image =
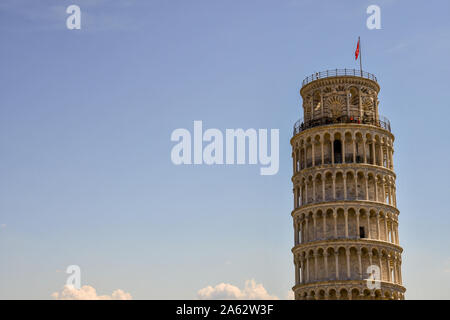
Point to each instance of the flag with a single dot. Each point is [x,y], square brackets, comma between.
[357,50]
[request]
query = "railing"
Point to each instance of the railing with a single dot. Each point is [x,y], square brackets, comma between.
[338,73]
[300,126]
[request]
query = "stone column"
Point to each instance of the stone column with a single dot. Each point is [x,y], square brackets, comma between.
[378,227]
[346,222]
[345,186]
[389,193]
[386,232]
[357,225]
[360,263]
[354,150]
[306,191]
[347,252]
[335,224]
[394,195]
[373,152]
[336,257]
[381,155]
[388,258]
[297,275]
[394,265]
[294,191]
[332,150]
[369,234]
[364,150]
[294,164]
[307,269]
[314,189]
[314,226]
[302,270]
[396,233]
[334,186]
[392,231]
[366,179]
[322,153]
[376,188]
[391,157]
[325,261]
[356,186]
[306,155]
[381,265]
[324,216]
[300,232]
[388,161]
[316,270]
[343,149]
[306,229]
[323,188]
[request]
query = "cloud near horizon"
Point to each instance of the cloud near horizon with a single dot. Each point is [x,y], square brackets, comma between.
[226,291]
[88,293]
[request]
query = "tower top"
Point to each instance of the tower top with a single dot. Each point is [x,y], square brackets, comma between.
[340,96]
[338,73]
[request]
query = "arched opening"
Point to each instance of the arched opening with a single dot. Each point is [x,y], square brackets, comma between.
[321,295]
[362,232]
[355,294]
[344,294]
[339,186]
[337,146]
[378,159]
[302,159]
[348,147]
[359,148]
[351,186]
[327,149]
[328,186]
[361,186]
[309,155]
[332,294]
[319,189]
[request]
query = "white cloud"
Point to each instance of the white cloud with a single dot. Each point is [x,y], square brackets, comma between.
[88,293]
[290,295]
[225,291]
[2,226]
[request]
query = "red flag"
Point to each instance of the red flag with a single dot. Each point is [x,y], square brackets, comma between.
[357,50]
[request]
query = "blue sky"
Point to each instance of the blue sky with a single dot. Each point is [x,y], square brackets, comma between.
[86,117]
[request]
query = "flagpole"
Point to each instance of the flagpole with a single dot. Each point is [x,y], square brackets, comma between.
[360,59]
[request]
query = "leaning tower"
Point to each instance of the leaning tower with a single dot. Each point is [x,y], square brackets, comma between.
[346,243]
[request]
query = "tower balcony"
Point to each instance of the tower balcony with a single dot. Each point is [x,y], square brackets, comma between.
[338,73]
[301,125]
